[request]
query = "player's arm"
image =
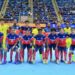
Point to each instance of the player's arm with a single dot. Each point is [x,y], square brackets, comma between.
[44,39]
[34,40]
[57,40]
[17,40]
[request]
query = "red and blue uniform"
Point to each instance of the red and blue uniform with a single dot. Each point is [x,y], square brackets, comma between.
[39,42]
[26,41]
[62,42]
[62,46]
[52,43]
[11,40]
[73,41]
[39,45]
[52,40]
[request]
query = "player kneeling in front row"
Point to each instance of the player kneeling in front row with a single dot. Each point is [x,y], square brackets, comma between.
[26,42]
[1,48]
[39,45]
[51,45]
[11,42]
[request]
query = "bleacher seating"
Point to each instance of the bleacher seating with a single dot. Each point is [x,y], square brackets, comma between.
[43,10]
[1,3]
[16,8]
[66,7]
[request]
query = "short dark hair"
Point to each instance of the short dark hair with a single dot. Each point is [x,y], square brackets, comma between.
[53,29]
[68,35]
[40,29]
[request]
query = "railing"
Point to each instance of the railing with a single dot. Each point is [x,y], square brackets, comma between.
[59,16]
[4,7]
[31,11]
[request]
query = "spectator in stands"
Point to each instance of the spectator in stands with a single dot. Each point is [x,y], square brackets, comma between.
[47,28]
[15,26]
[35,30]
[58,26]
[67,29]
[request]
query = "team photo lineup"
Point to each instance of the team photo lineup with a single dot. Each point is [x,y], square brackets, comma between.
[37,37]
[52,37]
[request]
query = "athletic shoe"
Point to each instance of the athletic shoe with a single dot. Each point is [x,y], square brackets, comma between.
[0,62]
[10,62]
[57,61]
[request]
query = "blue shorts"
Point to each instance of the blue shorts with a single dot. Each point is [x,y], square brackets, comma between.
[72,47]
[26,46]
[9,47]
[40,48]
[52,46]
[61,48]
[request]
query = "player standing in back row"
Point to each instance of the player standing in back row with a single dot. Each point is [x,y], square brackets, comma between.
[51,45]
[12,45]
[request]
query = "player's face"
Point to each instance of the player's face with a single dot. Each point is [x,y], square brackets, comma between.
[26,24]
[62,31]
[40,32]
[27,32]
[53,32]
[12,31]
